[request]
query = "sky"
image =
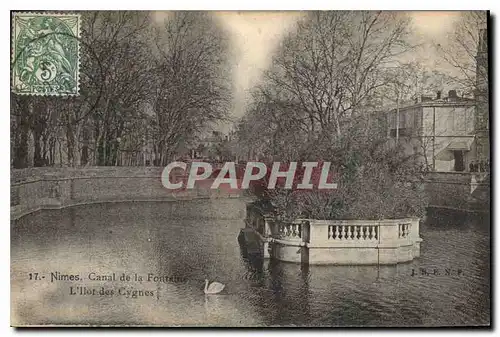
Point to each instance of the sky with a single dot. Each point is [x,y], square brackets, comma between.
[255,36]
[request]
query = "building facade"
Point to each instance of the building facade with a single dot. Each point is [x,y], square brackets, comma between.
[439,131]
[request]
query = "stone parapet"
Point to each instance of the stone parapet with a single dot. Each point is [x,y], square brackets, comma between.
[35,189]
[350,242]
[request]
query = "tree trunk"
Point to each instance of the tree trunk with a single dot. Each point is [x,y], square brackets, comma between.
[21,148]
[37,155]
[85,146]
[70,142]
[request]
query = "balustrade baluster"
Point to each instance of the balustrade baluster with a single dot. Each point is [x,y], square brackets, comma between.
[406,230]
[330,232]
[400,230]
[349,233]
[342,233]
[355,234]
[336,233]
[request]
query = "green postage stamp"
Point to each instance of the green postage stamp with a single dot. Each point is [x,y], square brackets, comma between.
[45,53]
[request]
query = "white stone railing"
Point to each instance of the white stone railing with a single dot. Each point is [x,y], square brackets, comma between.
[383,241]
[353,232]
[404,230]
[361,232]
[289,231]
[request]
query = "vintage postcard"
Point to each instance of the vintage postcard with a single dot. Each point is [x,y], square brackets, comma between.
[250,169]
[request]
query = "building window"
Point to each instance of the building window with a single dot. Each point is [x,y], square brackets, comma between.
[459,160]
[416,120]
[402,120]
[392,120]
[459,120]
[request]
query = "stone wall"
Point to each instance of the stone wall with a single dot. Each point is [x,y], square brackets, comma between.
[455,190]
[48,188]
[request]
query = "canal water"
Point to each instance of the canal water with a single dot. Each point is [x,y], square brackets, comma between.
[180,244]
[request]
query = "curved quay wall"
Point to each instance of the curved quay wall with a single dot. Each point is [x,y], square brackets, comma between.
[342,242]
[47,188]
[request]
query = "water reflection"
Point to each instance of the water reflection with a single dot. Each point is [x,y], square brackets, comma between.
[254,263]
[157,238]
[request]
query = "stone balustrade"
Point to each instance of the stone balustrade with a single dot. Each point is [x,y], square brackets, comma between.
[288,231]
[353,232]
[387,241]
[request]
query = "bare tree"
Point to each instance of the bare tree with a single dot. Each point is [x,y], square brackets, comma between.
[331,66]
[139,84]
[326,75]
[461,51]
[467,52]
[113,84]
[118,76]
[191,89]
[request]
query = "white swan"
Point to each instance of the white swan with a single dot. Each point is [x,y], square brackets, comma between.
[213,288]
